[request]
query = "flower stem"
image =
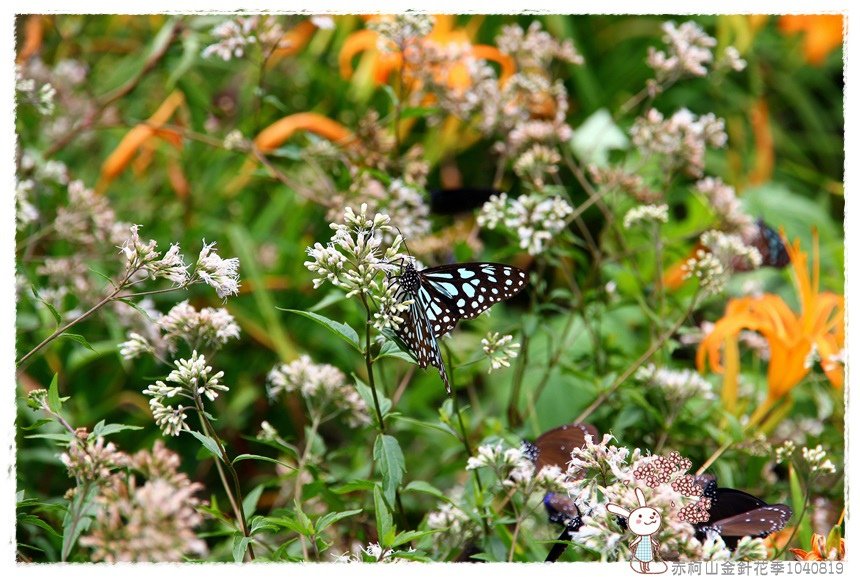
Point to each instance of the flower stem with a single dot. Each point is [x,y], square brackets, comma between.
[368,363]
[655,346]
[60,330]
[210,432]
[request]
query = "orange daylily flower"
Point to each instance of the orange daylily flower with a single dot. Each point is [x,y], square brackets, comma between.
[790,335]
[820,550]
[443,33]
[822,33]
[139,137]
[294,40]
[280,131]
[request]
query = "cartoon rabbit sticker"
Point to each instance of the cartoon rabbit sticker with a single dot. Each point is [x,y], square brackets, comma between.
[644,522]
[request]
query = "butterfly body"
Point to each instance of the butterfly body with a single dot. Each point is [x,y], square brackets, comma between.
[443,295]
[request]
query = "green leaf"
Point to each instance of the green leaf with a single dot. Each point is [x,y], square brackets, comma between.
[595,137]
[407,536]
[354,486]
[208,443]
[240,546]
[57,317]
[425,487]
[390,349]
[307,526]
[251,457]
[418,112]
[28,519]
[54,402]
[330,518]
[62,437]
[78,339]
[389,459]
[345,332]
[78,518]
[384,519]
[249,503]
[367,396]
[190,52]
[328,300]
[102,430]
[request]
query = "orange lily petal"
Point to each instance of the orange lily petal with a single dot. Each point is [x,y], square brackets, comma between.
[280,131]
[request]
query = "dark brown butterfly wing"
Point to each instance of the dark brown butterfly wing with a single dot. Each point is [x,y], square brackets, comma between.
[554,446]
[735,514]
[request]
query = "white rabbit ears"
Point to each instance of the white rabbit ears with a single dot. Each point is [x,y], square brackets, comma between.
[618,510]
[613,508]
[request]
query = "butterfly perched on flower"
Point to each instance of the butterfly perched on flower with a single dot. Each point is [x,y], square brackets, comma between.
[443,295]
[734,514]
[553,448]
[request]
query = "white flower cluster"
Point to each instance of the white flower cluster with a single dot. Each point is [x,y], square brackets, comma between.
[785,451]
[722,254]
[373,553]
[537,163]
[747,549]
[207,329]
[604,473]
[41,97]
[25,212]
[222,274]
[88,218]
[140,255]
[191,379]
[681,139]
[515,470]
[390,308]
[454,526]
[689,51]
[400,29]
[535,47]
[322,386]
[355,257]
[533,218]
[646,213]
[500,349]
[403,203]
[679,385]
[235,140]
[235,36]
[725,203]
[817,460]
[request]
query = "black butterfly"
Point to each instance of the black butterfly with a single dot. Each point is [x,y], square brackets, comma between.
[735,514]
[770,245]
[443,295]
[554,448]
[459,200]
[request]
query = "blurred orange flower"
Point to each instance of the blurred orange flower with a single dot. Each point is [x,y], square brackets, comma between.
[384,62]
[139,139]
[821,550]
[790,336]
[822,33]
[280,131]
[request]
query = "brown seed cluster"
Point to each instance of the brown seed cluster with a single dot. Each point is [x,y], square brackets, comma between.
[661,469]
[696,512]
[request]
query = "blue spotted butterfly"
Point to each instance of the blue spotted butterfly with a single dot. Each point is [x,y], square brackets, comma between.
[443,295]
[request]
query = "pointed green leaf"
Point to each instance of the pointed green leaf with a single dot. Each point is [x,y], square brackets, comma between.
[345,332]
[390,462]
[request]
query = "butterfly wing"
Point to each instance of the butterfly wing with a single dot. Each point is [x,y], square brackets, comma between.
[463,291]
[759,522]
[771,246]
[735,514]
[554,446]
[417,334]
[562,510]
